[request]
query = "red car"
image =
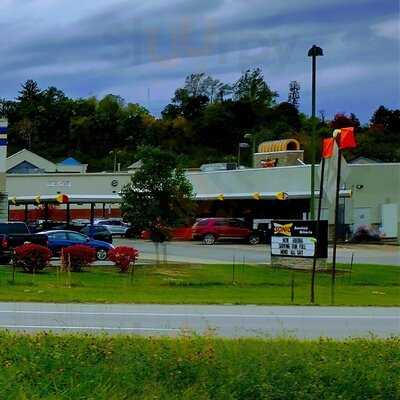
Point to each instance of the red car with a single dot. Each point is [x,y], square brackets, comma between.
[209,230]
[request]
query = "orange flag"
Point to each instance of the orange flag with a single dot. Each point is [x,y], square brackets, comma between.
[347,139]
[327,147]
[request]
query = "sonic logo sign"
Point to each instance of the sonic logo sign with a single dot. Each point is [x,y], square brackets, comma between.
[299,239]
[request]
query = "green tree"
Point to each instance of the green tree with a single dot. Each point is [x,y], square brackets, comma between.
[158,192]
[252,87]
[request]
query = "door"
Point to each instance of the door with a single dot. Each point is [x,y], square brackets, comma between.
[390,220]
[238,229]
[362,216]
[58,241]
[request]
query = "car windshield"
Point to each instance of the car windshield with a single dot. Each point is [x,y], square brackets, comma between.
[17,228]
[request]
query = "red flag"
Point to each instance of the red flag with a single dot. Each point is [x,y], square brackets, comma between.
[347,139]
[327,147]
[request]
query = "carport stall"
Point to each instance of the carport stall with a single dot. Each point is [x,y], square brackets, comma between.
[48,201]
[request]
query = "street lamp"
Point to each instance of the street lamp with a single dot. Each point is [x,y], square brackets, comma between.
[314,52]
[115,152]
[242,146]
[251,136]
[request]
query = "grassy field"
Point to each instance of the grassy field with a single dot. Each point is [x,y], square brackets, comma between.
[84,367]
[202,284]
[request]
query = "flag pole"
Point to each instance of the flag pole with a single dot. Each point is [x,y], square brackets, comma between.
[321,194]
[336,223]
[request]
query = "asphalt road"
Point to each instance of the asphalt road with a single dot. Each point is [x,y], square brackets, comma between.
[196,252]
[228,321]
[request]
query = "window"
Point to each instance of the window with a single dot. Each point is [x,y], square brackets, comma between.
[76,237]
[58,236]
[221,223]
[235,223]
[202,222]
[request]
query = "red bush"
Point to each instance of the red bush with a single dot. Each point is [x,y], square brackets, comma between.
[77,257]
[123,257]
[32,257]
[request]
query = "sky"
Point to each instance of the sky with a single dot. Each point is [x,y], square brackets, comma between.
[143,50]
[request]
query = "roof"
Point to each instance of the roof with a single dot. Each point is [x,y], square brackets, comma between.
[136,165]
[279,145]
[70,161]
[365,160]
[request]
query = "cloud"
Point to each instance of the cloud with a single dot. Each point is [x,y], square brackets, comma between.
[127,47]
[389,29]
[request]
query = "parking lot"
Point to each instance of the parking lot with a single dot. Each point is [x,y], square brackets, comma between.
[225,252]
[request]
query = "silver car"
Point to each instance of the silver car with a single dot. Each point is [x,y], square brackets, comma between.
[115,226]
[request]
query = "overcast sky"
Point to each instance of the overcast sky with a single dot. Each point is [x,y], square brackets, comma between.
[142,50]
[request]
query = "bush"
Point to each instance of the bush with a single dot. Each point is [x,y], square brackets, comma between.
[32,257]
[123,257]
[76,257]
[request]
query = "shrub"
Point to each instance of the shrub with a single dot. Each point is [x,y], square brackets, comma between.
[32,257]
[76,257]
[123,257]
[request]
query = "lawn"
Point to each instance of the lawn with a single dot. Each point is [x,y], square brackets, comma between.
[203,284]
[78,367]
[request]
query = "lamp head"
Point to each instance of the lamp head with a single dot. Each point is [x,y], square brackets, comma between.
[315,51]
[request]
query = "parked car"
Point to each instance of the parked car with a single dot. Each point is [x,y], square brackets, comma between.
[13,234]
[58,240]
[115,226]
[210,230]
[98,232]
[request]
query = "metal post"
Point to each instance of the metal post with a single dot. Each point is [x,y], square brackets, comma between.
[104,210]
[68,215]
[239,156]
[92,206]
[314,52]
[314,79]
[335,233]
[46,212]
[321,195]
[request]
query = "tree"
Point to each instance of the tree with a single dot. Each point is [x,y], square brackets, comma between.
[159,191]
[252,87]
[30,91]
[294,94]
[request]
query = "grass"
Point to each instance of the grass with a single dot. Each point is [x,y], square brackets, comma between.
[102,367]
[203,284]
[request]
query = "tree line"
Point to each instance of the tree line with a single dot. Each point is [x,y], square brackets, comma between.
[204,122]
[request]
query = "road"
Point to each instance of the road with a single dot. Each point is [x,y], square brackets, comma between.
[196,252]
[227,321]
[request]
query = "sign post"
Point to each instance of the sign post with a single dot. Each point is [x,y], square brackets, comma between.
[3,169]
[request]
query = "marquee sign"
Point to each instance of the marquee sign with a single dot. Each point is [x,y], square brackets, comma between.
[298,239]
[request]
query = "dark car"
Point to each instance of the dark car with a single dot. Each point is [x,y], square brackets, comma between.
[98,232]
[209,230]
[58,240]
[13,234]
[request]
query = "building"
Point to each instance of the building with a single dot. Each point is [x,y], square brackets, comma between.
[370,193]
[27,162]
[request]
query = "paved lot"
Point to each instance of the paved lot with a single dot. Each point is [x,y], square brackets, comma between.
[196,252]
[228,321]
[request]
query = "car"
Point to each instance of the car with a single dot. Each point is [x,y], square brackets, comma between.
[14,234]
[115,226]
[210,230]
[61,239]
[98,232]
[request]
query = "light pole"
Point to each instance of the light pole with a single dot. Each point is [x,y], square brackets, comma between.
[241,146]
[251,136]
[314,52]
[115,152]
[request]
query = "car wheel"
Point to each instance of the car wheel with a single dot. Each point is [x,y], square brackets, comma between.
[254,239]
[101,255]
[209,239]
